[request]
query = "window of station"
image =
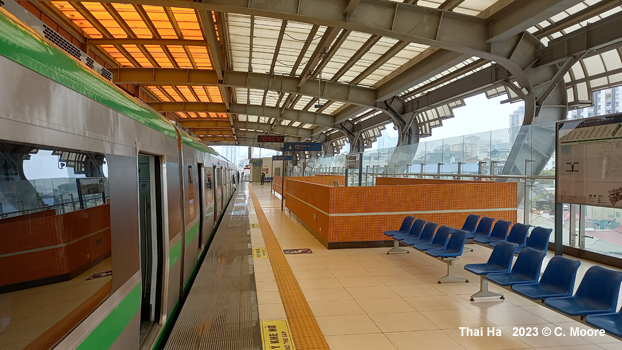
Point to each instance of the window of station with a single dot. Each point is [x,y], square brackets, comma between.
[55,243]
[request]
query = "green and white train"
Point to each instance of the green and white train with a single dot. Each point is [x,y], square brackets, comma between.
[106,207]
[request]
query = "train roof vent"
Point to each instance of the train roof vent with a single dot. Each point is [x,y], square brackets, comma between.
[53,36]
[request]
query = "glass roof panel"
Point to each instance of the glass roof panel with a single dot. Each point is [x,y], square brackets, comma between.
[154,90]
[105,18]
[186,93]
[214,93]
[138,55]
[73,14]
[188,23]
[160,20]
[158,54]
[118,56]
[133,20]
[593,65]
[200,56]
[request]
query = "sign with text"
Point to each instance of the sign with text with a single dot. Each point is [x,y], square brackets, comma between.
[303,146]
[282,157]
[276,335]
[589,161]
[352,160]
[270,138]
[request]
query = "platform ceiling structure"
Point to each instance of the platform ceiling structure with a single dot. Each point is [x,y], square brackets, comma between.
[337,71]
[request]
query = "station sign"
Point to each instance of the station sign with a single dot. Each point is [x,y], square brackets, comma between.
[270,138]
[282,158]
[303,146]
[353,160]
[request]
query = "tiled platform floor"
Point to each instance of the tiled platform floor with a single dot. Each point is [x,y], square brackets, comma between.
[366,299]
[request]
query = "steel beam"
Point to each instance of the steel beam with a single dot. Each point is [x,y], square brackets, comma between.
[578,17]
[205,123]
[326,120]
[171,76]
[592,37]
[430,66]
[279,129]
[473,83]
[521,15]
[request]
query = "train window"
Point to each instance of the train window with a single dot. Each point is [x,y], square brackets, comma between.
[190,195]
[54,241]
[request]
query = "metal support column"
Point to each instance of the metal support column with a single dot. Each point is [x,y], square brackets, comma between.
[581,226]
[573,225]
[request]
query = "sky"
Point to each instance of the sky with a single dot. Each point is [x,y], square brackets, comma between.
[478,115]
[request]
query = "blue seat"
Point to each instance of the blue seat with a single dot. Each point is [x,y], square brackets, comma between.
[483,228]
[470,223]
[500,260]
[611,323]
[538,239]
[415,230]
[426,235]
[518,235]
[526,269]
[556,281]
[499,233]
[454,248]
[439,241]
[406,224]
[597,294]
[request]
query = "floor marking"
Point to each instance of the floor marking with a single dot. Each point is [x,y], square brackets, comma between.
[254,225]
[276,335]
[305,330]
[260,253]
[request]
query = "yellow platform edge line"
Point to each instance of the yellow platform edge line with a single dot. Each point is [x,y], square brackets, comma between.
[305,330]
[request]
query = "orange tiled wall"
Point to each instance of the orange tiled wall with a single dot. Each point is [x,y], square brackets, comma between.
[39,233]
[361,214]
[389,181]
[327,180]
[276,184]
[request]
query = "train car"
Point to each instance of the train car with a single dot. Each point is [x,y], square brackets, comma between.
[105,206]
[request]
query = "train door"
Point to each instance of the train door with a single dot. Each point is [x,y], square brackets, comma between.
[201,207]
[150,212]
[215,193]
[210,211]
[220,193]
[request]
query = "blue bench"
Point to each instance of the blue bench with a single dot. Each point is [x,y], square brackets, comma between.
[470,223]
[483,228]
[526,269]
[518,235]
[499,233]
[539,239]
[557,280]
[500,260]
[611,323]
[406,224]
[597,294]
[439,242]
[426,235]
[414,231]
[449,254]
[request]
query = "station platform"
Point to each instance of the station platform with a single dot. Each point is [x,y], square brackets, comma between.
[355,298]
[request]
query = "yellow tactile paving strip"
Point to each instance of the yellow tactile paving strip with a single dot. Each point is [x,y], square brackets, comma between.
[305,330]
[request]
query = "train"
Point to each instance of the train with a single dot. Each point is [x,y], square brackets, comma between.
[106,207]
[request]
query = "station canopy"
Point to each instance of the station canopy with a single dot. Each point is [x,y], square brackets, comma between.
[317,70]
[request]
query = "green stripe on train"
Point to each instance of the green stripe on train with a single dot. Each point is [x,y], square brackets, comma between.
[192,233]
[107,332]
[175,251]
